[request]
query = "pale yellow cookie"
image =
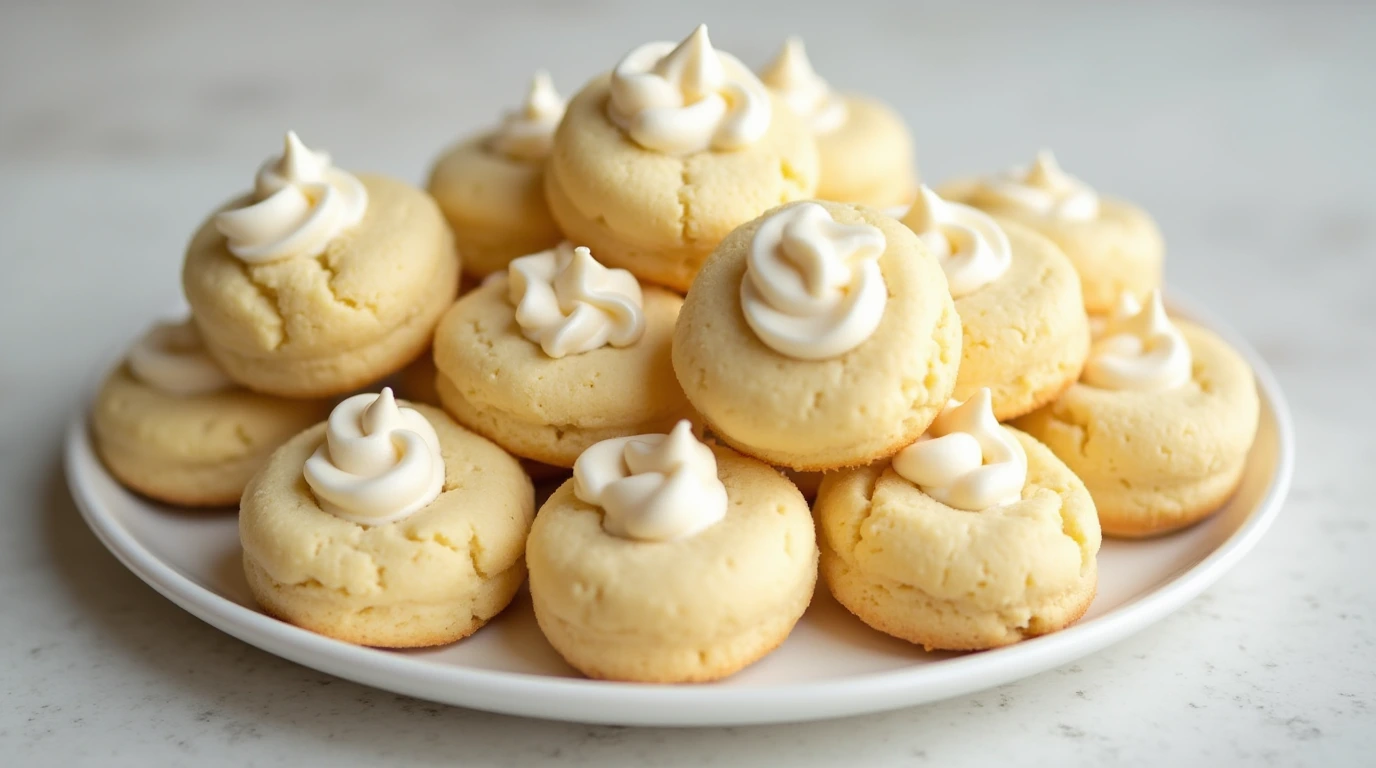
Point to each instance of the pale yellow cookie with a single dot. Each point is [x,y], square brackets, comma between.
[495,204]
[951,579]
[500,384]
[416,382]
[688,610]
[1120,250]
[191,450]
[431,578]
[660,215]
[1157,461]
[821,414]
[869,158]
[1026,334]
[312,326]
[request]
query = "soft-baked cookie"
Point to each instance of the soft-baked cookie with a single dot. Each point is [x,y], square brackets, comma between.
[1114,245]
[819,336]
[389,525]
[976,536]
[1159,425]
[169,424]
[657,161]
[558,354]
[319,282]
[665,560]
[864,147]
[491,187]
[1025,332]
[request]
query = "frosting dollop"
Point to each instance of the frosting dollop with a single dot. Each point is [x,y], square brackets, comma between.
[171,358]
[966,459]
[808,95]
[568,303]
[527,133]
[1042,188]
[301,203]
[379,462]
[652,487]
[1127,306]
[685,98]
[971,246]
[1141,350]
[813,288]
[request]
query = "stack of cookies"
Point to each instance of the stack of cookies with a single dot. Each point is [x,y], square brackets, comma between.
[717,319]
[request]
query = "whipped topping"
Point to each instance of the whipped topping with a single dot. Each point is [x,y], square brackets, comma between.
[1042,188]
[379,462]
[1127,306]
[171,358]
[1141,350]
[966,459]
[971,246]
[812,287]
[301,203]
[652,487]
[686,98]
[528,133]
[568,303]
[809,96]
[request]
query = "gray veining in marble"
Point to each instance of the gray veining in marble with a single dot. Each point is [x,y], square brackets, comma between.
[1246,128]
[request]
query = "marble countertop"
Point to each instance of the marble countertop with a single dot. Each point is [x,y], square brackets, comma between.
[1245,128]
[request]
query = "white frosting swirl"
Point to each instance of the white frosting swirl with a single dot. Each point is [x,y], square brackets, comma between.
[568,303]
[652,487]
[812,288]
[1140,350]
[301,204]
[966,459]
[171,358]
[1127,306]
[971,246]
[687,98]
[528,133]
[379,462]
[1042,188]
[809,96]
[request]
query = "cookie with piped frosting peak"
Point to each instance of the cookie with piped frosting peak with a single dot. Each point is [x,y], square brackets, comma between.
[319,281]
[667,560]
[656,161]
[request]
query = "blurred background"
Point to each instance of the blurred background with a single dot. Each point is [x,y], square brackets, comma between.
[1245,128]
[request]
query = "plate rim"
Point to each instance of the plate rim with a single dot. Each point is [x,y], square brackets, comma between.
[596,701]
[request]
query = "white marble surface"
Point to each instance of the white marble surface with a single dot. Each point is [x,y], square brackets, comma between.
[1246,128]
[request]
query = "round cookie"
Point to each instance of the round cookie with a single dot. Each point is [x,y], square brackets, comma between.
[497,382]
[193,450]
[951,579]
[430,578]
[1158,461]
[690,609]
[328,322]
[1119,250]
[657,214]
[845,410]
[491,187]
[864,147]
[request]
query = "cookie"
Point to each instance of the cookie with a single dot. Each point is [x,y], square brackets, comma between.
[819,336]
[169,424]
[521,362]
[1025,331]
[953,554]
[491,186]
[864,147]
[408,530]
[1159,431]
[685,576]
[654,189]
[1115,246]
[319,282]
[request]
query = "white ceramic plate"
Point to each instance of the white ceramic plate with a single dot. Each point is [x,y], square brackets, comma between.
[831,666]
